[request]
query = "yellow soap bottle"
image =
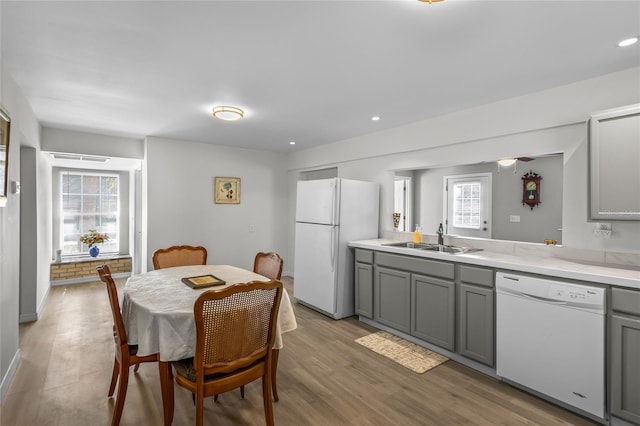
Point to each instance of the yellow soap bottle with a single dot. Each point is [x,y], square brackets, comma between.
[417,237]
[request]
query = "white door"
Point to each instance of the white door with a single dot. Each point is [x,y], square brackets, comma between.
[315,265]
[467,202]
[317,201]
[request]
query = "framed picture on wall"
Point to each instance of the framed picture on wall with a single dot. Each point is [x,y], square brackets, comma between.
[226,190]
[5,124]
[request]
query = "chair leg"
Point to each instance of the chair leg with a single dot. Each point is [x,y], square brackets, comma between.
[122,393]
[242,391]
[114,376]
[135,369]
[266,397]
[199,409]
[275,353]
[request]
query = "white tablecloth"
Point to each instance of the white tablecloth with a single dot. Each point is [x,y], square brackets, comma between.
[157,308]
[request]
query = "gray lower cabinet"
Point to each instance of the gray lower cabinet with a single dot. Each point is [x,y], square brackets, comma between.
[476,314]
[364,283]
[392,298]
[625,355]
[364,290]
[433,310]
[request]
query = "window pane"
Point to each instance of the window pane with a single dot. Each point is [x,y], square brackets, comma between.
[91,184]
[109,204]
[109,185]
[71,184]
[71,203]
[90,203]
[466,205]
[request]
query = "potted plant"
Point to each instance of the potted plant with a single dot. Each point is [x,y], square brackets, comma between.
[91,239]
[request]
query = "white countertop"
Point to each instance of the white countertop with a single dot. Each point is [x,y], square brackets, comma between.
[621,276]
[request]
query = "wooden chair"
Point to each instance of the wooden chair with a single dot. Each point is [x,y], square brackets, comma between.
[235,331]
[269,265]
[126,354]
[179,256]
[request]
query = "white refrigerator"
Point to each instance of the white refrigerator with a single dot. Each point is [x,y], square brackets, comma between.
[330,213]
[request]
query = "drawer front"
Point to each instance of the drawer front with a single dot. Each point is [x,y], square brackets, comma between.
[433,268]
[623,300]
[475,275]
[364,256]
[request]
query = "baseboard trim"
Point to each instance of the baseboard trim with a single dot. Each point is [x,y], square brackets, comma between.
[11,372]
[33,316]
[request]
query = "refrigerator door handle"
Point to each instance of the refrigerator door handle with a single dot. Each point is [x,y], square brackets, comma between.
[334,203]
[333,248]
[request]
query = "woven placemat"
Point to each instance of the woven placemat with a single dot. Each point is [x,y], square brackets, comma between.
[407,354]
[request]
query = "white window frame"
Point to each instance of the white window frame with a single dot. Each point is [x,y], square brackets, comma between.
[123,213]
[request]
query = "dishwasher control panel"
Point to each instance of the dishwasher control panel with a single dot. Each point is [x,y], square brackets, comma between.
[566,293]
[579,296]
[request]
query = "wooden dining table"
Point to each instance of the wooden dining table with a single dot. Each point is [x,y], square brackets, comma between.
[157,309]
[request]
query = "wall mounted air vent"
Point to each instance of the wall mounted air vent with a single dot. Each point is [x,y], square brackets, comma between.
[77,157]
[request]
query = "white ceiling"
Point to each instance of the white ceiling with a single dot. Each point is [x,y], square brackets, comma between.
[313,72]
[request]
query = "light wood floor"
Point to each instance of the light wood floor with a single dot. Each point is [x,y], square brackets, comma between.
[324,378]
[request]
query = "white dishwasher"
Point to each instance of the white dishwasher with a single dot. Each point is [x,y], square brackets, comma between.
[550,338]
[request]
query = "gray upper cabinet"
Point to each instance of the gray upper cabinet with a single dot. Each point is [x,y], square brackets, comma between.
[614,154]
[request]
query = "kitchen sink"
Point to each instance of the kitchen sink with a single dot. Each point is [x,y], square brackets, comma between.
[451,249]
[433,247]
[410,244]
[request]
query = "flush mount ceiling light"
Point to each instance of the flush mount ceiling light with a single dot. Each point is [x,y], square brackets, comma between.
[628,42]
[430,1]
[228,113]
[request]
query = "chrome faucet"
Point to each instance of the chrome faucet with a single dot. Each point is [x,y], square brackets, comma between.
[440,235]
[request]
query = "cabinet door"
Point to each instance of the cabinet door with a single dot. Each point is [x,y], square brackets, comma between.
[392,298]
[476,325]
[613,163]
[625,368]
[364,290]
[433,310]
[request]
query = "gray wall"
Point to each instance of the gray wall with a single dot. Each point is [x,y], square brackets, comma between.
[535,225]
[180,207]
[25,131]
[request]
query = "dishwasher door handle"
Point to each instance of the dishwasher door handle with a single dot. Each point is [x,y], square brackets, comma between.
[542,299]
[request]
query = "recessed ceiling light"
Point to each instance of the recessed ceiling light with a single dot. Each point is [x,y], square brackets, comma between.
[292,143]
[228,113]
[375,118]
[628,42]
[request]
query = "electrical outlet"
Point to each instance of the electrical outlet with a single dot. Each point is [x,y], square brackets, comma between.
[602,233]
[514,218]
[252,228]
